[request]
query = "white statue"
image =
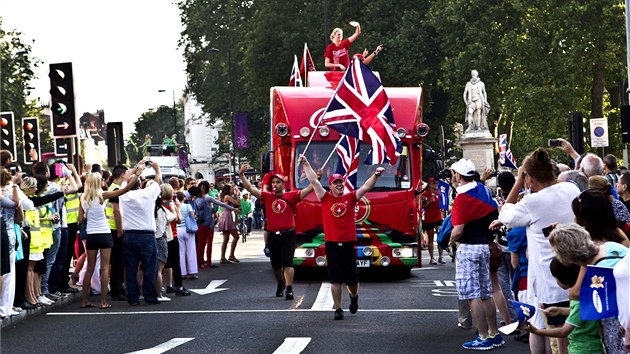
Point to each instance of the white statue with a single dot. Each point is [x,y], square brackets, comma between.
[477,106]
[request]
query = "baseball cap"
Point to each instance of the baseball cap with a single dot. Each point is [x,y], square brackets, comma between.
[278,175]
[334,177]
[464,167]
[431,180]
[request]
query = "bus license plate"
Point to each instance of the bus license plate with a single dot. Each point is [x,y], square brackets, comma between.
[363,263]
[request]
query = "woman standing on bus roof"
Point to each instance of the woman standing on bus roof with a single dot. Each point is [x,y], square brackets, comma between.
[146,146]
[337,57]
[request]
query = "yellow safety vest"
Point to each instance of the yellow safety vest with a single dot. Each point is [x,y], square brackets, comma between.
[45,226]
[72,208]
[32,218]
[109,209]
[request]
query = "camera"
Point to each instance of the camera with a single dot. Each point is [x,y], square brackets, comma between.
[147,162]
[554,142]
[445,174]
[13,171]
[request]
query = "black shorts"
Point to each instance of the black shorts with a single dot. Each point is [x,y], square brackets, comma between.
[431,225]
[5,253]
[281,249]
[556,320]
[97,241]
[342,263]
[40,266]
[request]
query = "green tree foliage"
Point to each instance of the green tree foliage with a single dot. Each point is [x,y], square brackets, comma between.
[540,60]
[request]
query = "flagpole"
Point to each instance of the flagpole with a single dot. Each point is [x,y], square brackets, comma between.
[331,153]
[328,106]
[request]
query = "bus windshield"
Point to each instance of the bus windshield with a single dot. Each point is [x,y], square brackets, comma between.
[397,177]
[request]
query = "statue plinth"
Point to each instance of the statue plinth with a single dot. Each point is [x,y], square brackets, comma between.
[478,147]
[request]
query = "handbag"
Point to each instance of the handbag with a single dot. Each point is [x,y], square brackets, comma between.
[191,224]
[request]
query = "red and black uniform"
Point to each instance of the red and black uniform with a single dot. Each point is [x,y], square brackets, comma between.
[281,226]
[432,215]
[340,234]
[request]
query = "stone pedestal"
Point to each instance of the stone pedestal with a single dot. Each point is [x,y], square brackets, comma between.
[478,147]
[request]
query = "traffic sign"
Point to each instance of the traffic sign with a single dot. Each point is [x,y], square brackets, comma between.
[63,120]
[599,132]
[61,147]
[7,125]
[32,151]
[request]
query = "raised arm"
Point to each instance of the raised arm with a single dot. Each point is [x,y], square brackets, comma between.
[209,199]
[369,184]
[246,184]
[125,189]
[357,32]
[312,177]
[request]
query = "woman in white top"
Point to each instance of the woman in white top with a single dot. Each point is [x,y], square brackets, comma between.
[549,203]
[99,236]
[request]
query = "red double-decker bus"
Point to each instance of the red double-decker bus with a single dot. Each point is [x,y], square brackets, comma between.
[386,217]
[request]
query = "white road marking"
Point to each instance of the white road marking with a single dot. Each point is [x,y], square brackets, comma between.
[323,301]
[196,312]
[164,347]
[211,288]
[293,345]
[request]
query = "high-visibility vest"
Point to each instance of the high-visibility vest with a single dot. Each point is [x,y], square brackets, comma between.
[45,226]
[32,218]
[109,209]
[72,208]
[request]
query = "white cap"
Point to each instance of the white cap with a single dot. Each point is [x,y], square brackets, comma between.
[464,167]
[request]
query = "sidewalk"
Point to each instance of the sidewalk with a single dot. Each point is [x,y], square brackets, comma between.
[250,251]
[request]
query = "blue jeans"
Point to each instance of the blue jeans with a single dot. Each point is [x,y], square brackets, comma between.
[54,278]
[50,259]
[140,248]
[505,277]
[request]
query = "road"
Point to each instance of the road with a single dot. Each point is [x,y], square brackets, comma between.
[239,313]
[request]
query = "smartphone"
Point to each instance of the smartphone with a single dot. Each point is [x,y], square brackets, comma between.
[59,169]
[547,230]
[13,171]
[554,142]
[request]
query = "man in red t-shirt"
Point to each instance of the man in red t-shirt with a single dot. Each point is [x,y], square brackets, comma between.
[337,53]
[280,225]
[340,232]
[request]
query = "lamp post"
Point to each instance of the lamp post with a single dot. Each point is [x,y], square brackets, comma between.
[215,50]
[174,112]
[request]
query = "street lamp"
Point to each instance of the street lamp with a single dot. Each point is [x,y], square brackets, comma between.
[215,50]
[174,112]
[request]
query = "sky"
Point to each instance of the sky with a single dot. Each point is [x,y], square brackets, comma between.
[122,52]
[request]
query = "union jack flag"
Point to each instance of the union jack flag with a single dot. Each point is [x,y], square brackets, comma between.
[307,63]
[348,151]
[505,154]
[360,109]
[295,79]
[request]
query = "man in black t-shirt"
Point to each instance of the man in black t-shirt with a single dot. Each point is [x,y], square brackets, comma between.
[623,188]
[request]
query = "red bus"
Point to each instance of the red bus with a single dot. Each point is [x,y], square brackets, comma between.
[386,218]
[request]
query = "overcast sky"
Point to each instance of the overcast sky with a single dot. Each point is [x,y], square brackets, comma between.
[122,52]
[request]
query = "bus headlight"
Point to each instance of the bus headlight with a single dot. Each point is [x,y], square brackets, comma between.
[304,253]
[304,132]
[385,261]
[401,132]
[324,131]
[282,129]
[367,251]
[403,252]
[320,261]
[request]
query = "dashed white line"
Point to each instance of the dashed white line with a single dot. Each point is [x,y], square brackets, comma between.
[293,345]
[323,301]
[164,347]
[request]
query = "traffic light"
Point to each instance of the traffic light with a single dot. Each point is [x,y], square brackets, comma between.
[576,131]
[8,133]
[32,151]
[64,124]
[449,152]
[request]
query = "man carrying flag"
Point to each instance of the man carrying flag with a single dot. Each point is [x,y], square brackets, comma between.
[340,232]
[473,211]
[360,109]
[505,154]
[295,79]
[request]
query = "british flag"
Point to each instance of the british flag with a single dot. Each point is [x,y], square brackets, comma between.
[348,151]
[307,63]
[295,79]
[505,154]
[360,109]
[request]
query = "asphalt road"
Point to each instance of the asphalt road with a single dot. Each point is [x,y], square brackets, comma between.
[237,312]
